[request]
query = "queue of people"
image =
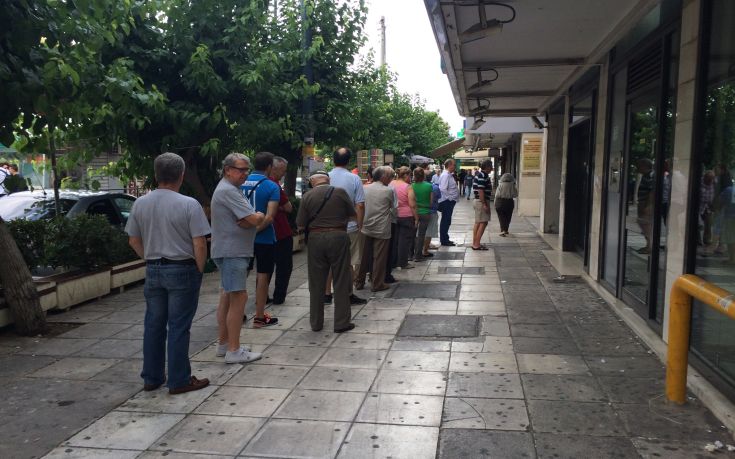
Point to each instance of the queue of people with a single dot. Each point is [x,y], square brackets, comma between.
[352,230]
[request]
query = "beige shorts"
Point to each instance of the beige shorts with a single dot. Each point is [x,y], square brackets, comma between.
[356,239]
[481,215]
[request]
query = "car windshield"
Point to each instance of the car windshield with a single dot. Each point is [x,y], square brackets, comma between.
[31,208]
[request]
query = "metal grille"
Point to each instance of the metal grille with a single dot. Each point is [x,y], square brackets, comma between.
[645,69]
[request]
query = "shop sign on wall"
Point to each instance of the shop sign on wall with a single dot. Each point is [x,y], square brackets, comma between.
[531,154]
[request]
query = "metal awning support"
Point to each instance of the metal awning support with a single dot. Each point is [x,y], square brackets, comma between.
[447,148]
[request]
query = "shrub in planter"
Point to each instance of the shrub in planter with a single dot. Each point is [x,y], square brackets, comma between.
[85,242]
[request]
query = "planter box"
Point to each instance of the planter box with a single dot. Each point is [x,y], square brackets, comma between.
[298,242]
[46,295]
[74,288]
[127,273]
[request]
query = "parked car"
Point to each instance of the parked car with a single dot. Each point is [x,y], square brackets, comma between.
[37,205]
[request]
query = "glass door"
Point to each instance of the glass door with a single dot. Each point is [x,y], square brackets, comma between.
[640,200]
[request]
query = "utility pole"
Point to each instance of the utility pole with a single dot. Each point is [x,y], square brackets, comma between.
[307,150]
[382,41]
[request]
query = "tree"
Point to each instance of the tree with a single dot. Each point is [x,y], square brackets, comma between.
[51,75]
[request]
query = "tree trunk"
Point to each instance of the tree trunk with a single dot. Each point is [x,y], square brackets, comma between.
[20,292]
[191,178]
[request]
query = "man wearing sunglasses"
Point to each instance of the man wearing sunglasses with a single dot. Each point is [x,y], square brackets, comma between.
[233,236]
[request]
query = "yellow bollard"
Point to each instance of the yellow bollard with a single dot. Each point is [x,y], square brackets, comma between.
[685,288]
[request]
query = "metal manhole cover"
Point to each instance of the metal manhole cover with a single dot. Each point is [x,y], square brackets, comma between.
[433,326]
[435,290]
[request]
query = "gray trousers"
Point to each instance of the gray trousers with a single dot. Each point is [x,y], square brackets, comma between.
[406,236]
[418,252]
[329,250]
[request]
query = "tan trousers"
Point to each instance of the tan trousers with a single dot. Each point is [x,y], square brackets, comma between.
[327,251]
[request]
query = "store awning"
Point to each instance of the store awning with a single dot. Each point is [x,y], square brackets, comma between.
[447,148]
[523,55]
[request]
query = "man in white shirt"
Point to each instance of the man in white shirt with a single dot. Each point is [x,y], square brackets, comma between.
[449,196]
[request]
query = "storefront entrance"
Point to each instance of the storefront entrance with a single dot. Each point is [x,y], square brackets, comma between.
[637,177]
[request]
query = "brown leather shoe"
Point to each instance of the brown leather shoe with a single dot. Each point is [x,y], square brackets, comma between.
[194,384]
[152,387]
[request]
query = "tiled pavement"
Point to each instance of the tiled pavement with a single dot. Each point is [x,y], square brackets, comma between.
[551,372]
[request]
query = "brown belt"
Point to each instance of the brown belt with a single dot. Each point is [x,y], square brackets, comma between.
[327,230]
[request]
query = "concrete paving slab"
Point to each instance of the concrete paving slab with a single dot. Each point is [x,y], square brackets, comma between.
[487,343]
[353,358]
[652,448]
[96,330]
[552,364]
[366,441]
[292,355]
[484,413]
[126,371]
[159,401]
[363,341]
[256,402]
[435,326]
[410,382]
[273,376]
[632,366]
[321,405]
[307,439]
[57,347]
[339,379]
[623,389]
[494,326]
[551,446]
[417,360]
[525,345]
[401,409]
[579,388]
[482,307]
[74,368]
[67,452]
[483,362]
[486,385]
[120,430]
[306,338]
[210,435]
[112,348]
[576,418]
[421,344]
[473,443]
[657,419]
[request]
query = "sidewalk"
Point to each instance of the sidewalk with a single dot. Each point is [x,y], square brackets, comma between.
[474,354]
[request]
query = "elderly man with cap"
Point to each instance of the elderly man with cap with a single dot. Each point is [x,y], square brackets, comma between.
[323,214]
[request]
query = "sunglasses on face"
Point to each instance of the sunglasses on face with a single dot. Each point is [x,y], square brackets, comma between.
[241,169]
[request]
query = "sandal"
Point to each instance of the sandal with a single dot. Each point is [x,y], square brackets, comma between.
[265,321]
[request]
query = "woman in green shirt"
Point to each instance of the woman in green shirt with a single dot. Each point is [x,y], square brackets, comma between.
[424,199]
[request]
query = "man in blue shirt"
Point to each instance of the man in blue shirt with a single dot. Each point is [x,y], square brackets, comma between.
[264,196]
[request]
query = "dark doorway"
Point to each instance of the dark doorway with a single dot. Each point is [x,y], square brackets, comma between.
[578,191]
[577,205]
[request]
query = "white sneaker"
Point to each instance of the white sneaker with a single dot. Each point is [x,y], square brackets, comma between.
[242,356]
[222,349]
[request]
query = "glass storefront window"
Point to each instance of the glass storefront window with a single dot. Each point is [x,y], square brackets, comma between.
[713,335]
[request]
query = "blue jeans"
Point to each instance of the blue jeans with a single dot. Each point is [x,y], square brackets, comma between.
[446,208]
[171,295]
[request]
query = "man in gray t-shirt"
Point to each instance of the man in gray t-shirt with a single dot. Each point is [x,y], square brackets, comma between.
[168,230]
[233,235]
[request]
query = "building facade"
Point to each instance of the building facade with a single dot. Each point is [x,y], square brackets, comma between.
[636,100]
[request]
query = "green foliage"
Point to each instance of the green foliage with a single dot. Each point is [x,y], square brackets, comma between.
[85,242]
[201,79]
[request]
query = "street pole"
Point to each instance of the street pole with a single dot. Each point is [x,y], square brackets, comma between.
[307,150]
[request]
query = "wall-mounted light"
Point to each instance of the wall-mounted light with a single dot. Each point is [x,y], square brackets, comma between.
[477,124]
[480,108]
[482,83]
[486,27]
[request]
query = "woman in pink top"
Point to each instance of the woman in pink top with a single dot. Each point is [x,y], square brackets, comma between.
[407,217]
